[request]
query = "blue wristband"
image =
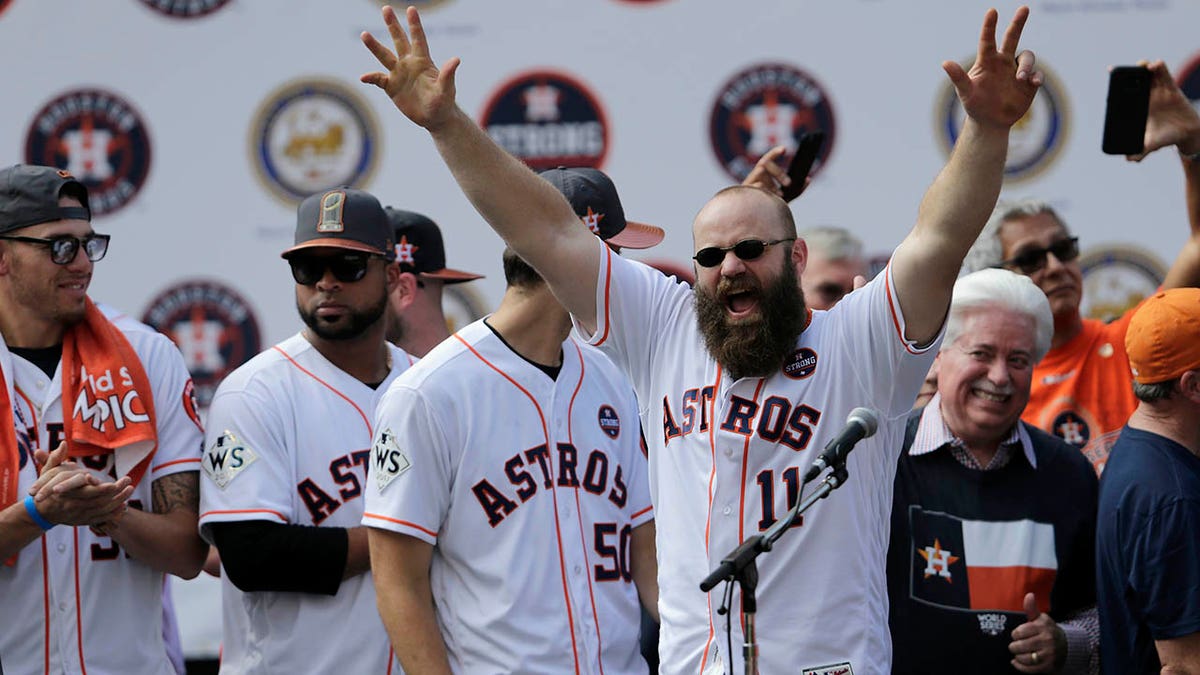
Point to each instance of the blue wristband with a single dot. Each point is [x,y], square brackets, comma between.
[31,508]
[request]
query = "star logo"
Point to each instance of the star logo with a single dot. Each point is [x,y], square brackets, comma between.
[592,220]
[938,561]
[405,250]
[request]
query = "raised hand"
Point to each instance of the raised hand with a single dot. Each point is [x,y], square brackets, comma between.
[1172,120]
[1001,84]
[1038,645]
[768,174]
[419,89]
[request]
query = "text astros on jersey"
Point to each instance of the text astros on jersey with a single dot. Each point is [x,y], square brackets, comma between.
[728,461]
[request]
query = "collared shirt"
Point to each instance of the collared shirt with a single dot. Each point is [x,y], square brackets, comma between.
[933,433]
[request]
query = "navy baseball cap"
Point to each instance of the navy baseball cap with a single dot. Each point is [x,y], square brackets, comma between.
[343,218]
[29,195]
[594,198]
[419,247]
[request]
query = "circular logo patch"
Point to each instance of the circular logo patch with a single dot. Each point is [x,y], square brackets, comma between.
[547,119]
[99,138]
[801,364]
[1071,427]
[213,327]
[1036,138]
[610,424]
[461,305]
[1116,279]
[764,106]
[185,9]
[311,135]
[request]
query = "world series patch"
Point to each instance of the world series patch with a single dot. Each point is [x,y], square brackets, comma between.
[388,461]
[213,326]
[97,136]
[226,458]
[766,105]
[1036,138]
[547,118]
[311,135]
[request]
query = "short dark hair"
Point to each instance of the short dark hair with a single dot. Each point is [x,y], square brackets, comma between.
[1156,391]
[517,272]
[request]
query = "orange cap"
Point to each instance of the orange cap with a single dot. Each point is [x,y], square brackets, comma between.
[1163,340]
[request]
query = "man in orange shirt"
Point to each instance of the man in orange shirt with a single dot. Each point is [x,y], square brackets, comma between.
[1081,389]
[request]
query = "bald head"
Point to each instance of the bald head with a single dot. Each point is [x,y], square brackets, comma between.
[750,211]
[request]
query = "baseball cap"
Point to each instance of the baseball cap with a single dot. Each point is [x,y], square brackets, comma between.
[419,246]
[343,218]
[29,196]
[1163,338]
[594,198]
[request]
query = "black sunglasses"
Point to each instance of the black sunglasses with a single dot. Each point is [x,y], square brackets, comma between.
[346,267]
[746,249]
[64,249]
[1032,260]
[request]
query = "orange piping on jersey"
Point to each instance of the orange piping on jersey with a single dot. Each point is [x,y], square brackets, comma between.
[391,659]
[638,513]
[562,565]
[45,609]
[370,431]
[712,476]
[78,611]
[607,288]
[397,521]
[892,309]
[186,460]
[274,513]
[742,497]
[579,509]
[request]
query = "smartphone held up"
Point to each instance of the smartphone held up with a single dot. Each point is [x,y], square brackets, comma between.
[802,163]
[1126,111]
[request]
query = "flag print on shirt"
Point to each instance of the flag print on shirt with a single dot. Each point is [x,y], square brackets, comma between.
[979,565]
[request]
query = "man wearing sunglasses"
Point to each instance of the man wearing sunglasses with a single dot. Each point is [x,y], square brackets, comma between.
[285,462]
[99,497]
[1081,389]
[747,384]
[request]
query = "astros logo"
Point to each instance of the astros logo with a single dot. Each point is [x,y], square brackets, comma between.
[592,220]
[99,138]
[1071,427]
[1115,279]
[311,135]
[801,364]
[185,9]
[1036,138]
[764,106]
[405,250]
[213,327]
[547,119]
[610,424]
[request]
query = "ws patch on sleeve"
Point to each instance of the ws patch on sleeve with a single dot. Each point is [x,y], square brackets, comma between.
[226,459]
[388,461]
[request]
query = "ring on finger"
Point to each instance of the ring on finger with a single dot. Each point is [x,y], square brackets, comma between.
[1033,656]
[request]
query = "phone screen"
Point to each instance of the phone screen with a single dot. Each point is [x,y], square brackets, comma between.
[1127,109]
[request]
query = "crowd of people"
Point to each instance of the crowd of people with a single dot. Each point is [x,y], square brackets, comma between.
[380,495]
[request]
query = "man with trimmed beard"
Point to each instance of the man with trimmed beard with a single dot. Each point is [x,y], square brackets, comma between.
[749,395]
[285,460]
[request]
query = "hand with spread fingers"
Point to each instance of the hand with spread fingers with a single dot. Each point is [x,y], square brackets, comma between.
[768,174]
[1000,86]
[1038,645]
[1171,118]
[422,91]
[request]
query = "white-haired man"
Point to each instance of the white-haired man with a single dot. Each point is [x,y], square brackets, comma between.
[990,565]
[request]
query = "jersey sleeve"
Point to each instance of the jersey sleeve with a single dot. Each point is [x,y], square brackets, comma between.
[888,367]
[247,471]
[1165,578]
[635,304]
[180,435]
[411,474]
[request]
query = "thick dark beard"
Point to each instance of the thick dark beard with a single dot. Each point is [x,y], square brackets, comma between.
[754,349]
[358,322]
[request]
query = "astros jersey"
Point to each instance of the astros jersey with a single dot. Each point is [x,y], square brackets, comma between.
[75,602]
[727,458]
[289,437]
[529,489]
[1082,391]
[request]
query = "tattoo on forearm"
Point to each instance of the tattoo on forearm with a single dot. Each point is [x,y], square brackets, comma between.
[179,490]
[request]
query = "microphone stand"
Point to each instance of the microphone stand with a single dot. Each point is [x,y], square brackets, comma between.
[740,565]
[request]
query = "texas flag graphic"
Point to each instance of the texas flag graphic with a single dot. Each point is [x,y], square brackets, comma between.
[980,565]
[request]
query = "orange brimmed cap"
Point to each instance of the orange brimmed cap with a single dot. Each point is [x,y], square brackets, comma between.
[1163,340]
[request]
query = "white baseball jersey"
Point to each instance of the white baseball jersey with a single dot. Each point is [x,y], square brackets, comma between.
[289,439]
[729,457]
[529,489]
[75,601]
